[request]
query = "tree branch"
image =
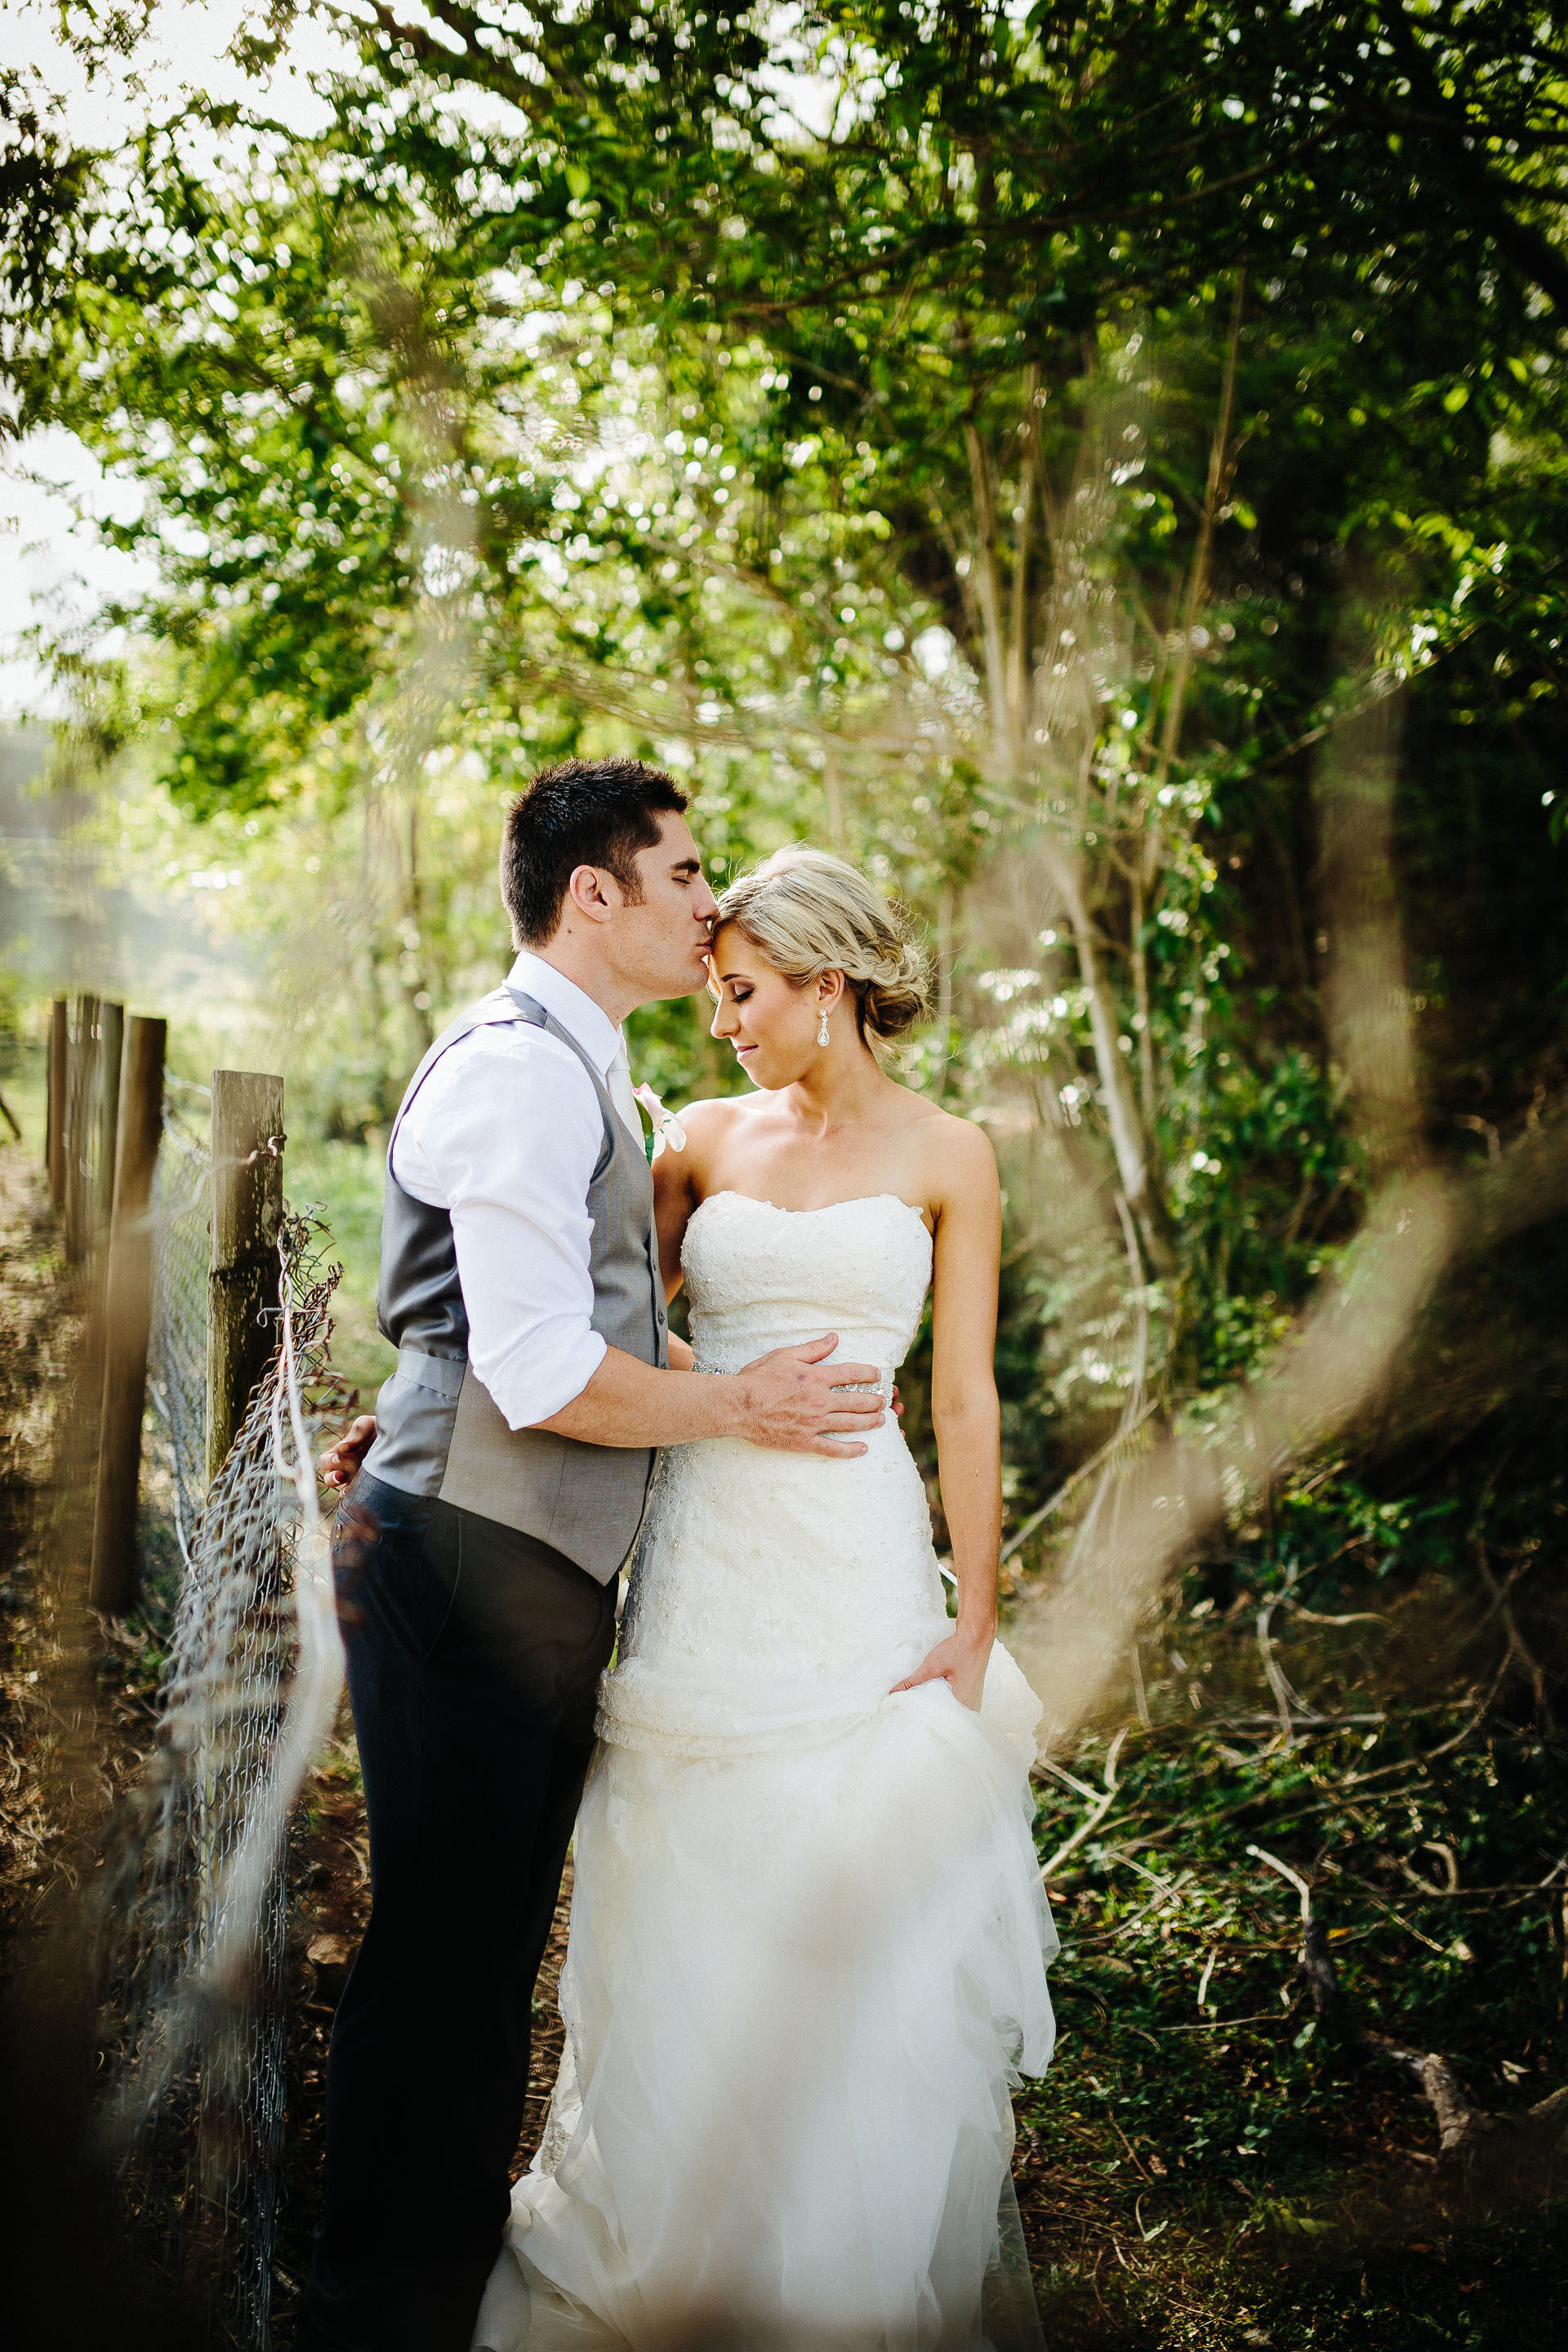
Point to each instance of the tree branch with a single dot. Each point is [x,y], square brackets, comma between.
[1452,133]
[1516,2145]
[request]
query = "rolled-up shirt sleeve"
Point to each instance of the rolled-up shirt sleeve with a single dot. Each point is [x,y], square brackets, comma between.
[505,1134]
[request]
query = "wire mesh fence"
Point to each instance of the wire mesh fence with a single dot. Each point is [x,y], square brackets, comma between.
[195,1915]
[177,1350]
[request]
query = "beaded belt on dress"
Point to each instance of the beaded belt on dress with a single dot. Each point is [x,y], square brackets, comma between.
[883,1384]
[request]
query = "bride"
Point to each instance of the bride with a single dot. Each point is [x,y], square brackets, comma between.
[808,1941]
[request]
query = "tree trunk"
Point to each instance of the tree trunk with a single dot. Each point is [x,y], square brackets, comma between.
[944,982]
[1127,1137]
[988,600]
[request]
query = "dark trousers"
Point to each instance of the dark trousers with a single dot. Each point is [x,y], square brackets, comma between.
[473,1658]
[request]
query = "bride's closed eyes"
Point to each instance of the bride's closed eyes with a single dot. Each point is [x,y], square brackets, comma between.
[734,986]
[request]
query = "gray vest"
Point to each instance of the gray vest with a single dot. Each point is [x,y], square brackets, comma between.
[438,1431]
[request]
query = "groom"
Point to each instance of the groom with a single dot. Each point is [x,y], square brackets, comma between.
[479,1551]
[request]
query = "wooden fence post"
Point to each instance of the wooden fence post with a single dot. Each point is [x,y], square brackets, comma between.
[111,1049]
[246,1211]
[55,1140]
[101,1208]
[82,1071]
[129,1320]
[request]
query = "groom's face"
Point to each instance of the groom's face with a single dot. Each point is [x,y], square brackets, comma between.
[660,943]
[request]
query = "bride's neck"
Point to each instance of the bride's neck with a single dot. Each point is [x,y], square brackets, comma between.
[839,1090]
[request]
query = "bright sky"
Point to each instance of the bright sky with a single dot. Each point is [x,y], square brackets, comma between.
[50,564]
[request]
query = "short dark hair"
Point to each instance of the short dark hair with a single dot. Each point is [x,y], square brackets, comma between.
[581,812]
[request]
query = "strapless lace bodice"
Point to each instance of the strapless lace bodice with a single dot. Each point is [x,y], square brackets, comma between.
[759,1277]
[772,1590]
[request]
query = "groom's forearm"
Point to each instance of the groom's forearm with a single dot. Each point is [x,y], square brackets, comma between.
[793,1399]
[628,1402]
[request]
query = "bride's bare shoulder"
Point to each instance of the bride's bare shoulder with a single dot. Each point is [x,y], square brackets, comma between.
[712,1125]
[714,1115]
[954,1152]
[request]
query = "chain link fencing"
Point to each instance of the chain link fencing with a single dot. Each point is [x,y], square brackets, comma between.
[196,1900]
[177,1348]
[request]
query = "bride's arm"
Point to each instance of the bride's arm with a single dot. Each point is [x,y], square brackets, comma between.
[674,1198]
[683,1178]
[965,1413]
[678,1186]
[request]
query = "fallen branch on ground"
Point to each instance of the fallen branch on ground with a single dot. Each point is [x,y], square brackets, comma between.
[1516,2149]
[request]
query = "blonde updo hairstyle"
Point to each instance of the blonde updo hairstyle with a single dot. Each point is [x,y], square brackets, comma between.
[811,913]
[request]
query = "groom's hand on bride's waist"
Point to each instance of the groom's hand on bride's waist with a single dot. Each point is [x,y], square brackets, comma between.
[795,1401]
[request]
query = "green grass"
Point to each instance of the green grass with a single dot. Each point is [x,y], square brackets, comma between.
[343,1183]
[25,1089]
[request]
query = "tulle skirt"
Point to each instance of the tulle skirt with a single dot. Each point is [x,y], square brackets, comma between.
[806,1965]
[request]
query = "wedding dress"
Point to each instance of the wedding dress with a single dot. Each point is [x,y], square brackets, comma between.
[808,1940]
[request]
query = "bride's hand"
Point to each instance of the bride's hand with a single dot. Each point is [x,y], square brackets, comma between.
[960,1662]
[340,1465]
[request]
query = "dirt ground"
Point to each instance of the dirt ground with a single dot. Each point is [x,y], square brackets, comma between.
[70,1735]
[35,1348]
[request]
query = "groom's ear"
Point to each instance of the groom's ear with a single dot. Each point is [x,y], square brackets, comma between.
[592,893]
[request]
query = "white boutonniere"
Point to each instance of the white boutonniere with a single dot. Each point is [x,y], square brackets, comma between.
[667,1127]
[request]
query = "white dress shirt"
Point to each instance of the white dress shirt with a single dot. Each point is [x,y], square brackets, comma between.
[505,1134]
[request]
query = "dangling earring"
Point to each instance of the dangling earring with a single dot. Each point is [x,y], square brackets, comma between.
[822,1037]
